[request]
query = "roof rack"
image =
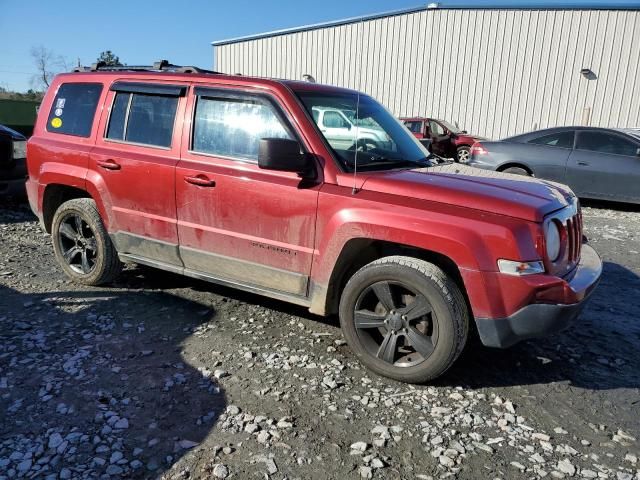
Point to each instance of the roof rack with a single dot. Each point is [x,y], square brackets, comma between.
[159,66]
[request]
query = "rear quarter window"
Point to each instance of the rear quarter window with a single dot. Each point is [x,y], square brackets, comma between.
[74,109]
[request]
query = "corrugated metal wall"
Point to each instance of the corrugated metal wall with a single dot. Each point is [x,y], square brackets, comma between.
[494,72]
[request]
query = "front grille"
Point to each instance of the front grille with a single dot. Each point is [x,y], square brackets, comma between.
[574,237]
[571,219]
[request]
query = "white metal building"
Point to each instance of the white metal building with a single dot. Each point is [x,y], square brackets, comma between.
[495,71]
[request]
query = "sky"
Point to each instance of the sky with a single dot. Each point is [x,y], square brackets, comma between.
[143,31]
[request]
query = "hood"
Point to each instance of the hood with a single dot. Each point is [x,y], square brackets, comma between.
[516,196]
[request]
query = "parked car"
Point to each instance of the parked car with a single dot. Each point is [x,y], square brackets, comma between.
[13,167]
[443,138]
[598,163]
[338,127]
[230,179]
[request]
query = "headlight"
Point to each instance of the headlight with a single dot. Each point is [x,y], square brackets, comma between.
[552,240]
[19,149]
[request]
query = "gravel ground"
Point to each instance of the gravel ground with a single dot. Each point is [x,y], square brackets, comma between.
[160,376]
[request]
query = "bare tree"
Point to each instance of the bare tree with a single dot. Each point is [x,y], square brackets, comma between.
[48,64]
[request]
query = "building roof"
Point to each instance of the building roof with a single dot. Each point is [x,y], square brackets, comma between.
[455,4]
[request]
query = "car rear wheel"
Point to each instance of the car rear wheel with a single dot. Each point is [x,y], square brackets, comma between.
[81,243]
[464,154]
[517,171]
[404,318]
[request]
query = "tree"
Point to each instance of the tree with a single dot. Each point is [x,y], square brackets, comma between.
[48,64]
[109,59]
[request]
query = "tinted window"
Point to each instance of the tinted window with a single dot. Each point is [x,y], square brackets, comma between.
[606,143]
[414,126]
[73,109]
[234,127]
[142,118]
[558,139]
[334,120]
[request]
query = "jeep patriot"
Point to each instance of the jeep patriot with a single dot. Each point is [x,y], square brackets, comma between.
[231,180]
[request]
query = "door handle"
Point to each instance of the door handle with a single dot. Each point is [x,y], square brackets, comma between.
[108,164]
[200,180]
[584,164]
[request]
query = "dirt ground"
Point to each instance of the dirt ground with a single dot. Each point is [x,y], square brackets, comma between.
[159,376]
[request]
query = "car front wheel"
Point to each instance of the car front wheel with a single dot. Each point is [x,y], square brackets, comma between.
[463,154]
[82,245]
[404,318]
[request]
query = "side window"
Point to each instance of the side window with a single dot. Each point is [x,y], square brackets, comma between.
[334,120]
[436,128]
[414,126]
[233,127]
[142,118]
[73,109]
[603,142]
[558,139]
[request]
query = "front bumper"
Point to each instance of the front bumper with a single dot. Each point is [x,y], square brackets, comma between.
[541,319]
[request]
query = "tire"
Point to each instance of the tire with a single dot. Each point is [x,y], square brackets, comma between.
[517,171]
[463,154]
[438,323]
[82,245]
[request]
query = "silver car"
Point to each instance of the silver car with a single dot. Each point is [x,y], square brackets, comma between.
[598,163]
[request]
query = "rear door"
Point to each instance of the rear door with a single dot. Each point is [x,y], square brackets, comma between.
[236,222]
[134,163]
[605,165]
[548,154]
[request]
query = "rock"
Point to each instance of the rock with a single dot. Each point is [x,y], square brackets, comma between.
[284,422]
[24,465]
[541,436]
[114,470]
[55,440]
[271,466]
[359,447]
[121,424]
[446,461]
[624,476]
[629,457]
[263,437]
[588,473]
[251,427]
[220,471]
[376,464]
[365,472]
[565,466]
[233,410]
[218,374]
[186,444]
[560,431]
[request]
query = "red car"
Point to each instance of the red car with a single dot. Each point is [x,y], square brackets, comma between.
[231,179]
[443,139]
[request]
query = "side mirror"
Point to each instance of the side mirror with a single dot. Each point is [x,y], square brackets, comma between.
[283,155]
[463,131]
[638,152]
[348,127]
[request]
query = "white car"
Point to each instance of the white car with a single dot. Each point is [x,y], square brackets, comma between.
[340,130]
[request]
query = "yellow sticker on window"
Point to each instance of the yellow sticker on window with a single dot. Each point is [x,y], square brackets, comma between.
[56,122]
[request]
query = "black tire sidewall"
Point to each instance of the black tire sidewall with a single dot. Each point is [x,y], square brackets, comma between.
[80,208]
[445,346]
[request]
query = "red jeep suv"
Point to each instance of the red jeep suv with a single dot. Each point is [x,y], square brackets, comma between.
[443,138]
[230,179]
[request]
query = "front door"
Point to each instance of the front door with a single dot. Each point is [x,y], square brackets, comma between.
[236,222]
[134,163]
[604,165]
[441,143]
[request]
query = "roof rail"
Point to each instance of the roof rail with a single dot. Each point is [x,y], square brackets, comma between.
[159,66]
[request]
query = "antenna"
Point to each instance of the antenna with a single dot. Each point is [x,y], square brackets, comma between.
[354,190]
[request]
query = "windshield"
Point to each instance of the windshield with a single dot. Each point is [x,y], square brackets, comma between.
[451,128]
[373,136]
